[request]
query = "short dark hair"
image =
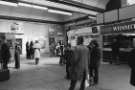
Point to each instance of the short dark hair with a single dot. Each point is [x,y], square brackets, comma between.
[95,43]
[68,45]
[80,40]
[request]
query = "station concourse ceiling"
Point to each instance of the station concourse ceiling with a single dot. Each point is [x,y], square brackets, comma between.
[75,9]
[78,8]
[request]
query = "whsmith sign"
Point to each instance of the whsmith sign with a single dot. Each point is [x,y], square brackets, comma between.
[123,28]
[118,28]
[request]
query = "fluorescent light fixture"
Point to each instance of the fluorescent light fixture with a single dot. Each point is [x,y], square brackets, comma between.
[91,17]
[60,12]
[61,6]
[8,3]
[25,5]
[32,6]
[39,7]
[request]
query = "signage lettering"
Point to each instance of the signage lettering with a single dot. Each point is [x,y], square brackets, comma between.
[124,28]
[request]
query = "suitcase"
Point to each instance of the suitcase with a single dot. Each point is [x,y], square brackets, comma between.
[4,74]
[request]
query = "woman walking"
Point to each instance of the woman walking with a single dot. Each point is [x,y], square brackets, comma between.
[37,52]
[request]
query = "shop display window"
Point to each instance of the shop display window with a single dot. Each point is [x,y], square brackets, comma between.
[124,41]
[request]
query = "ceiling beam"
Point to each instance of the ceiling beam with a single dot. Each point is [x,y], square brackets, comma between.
[30,19]
[60,6]
[78,19]
[78,4]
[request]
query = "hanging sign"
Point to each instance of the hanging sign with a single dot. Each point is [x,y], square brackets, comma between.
[16,27]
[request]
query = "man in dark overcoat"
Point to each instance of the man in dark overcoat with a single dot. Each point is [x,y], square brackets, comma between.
[68,56]
[27,50]
[94,61]
[131,63]
[5,54]
[79,64]
[17,57]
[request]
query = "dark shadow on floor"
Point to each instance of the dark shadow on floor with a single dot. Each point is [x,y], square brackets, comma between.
[31,63]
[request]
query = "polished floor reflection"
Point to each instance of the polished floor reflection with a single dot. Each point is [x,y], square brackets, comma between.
[48,75]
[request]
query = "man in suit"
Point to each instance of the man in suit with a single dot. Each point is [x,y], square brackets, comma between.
[79,64]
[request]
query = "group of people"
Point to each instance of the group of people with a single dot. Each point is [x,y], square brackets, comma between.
[82,63]
[33,51]
[5,54]
[29,50]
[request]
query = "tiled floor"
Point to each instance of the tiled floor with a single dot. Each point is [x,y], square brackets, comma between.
[48,75]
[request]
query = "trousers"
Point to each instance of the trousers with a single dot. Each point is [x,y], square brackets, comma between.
[82,85]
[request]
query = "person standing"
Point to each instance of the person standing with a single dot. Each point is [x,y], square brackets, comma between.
[27,50]
[61,62]
[17,57]
[115,51]
[57,49]
[94,61]
[37,47]
[31,50]
[79,64]
[68,56]
[5,54]
[131,63]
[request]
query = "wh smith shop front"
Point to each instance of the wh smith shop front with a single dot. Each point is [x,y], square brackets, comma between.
[124,33]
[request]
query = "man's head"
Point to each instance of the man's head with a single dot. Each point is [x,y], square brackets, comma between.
[80,40]
[69,45]
[94,43]
[3,38]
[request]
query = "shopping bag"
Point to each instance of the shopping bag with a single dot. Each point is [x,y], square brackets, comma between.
[87,81]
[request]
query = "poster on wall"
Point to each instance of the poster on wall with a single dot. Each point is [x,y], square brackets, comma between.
[16,27]
[42,43]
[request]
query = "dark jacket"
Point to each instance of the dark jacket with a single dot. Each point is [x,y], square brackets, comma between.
[17,53]
[61,50]
[79,63]
[5,52]
[115,47]
[68,55]
[17,57]
[94,57]
[131,63]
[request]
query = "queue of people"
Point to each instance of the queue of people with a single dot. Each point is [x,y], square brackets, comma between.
[82,63]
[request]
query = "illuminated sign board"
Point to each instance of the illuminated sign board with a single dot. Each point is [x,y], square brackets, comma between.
[124,27]
[118,28]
